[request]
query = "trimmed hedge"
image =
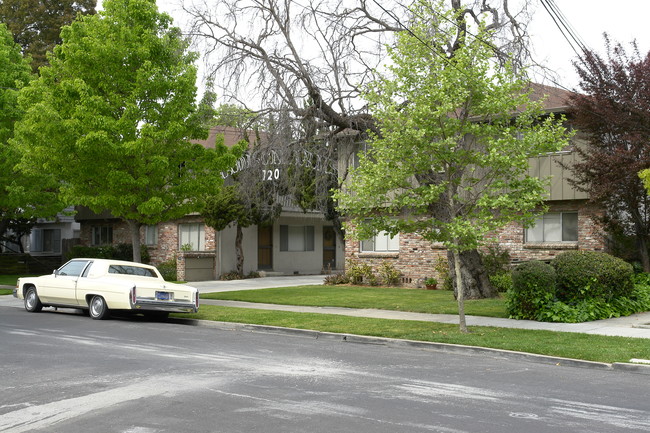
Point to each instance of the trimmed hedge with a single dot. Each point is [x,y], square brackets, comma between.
[115,252]
[584,275]
[533,287]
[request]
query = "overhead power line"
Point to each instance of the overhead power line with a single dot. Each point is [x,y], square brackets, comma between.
[568,32]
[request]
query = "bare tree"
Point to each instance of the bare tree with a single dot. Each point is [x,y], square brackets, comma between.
[311,60]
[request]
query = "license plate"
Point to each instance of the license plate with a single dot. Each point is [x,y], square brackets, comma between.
[164,296]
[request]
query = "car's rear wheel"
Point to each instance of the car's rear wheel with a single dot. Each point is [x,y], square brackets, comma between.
[98,309]
[32,302]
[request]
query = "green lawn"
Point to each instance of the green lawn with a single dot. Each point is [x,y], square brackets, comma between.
[569,345]
[414,300]
[8,280]
[563,344]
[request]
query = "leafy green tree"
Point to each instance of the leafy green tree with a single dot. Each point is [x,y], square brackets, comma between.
[114,115]
[36,24]
[22,196]
[456,133]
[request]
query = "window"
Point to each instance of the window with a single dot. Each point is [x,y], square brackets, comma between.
[554,227]
[131,270]
[380,243]
[151,235]
[102,235]
[191,236]
[46,241]
[72,268]
[296,238]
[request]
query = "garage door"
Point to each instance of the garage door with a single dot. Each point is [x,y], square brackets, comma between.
[199,268]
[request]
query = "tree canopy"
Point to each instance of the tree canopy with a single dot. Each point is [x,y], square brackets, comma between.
[22,196]
[36,24]
[614,113]
[113,117]
[456,130]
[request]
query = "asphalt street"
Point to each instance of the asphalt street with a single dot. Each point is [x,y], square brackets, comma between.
[63,372]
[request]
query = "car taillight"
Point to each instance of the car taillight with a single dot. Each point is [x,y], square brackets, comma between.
[196,295]
[133,296]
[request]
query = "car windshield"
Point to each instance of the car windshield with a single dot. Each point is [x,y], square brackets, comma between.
[131,270]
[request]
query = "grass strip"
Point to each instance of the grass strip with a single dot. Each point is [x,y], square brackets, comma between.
[563,344]
[382,298]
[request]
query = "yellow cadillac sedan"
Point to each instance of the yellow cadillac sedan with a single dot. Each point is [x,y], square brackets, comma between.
[101,286]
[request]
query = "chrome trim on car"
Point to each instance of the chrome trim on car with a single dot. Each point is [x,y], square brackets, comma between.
[171,306]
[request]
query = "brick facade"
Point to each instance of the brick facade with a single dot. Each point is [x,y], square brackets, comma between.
[417,258]
[166,249]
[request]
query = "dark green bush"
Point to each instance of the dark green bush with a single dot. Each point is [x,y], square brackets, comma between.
[496,260]
[168,270]
[502,281]
[533,286]
[115,252]
[583,275]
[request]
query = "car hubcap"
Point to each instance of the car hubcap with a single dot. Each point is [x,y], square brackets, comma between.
[30,299]
[96,307]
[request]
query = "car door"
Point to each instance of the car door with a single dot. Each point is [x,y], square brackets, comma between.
[60,288]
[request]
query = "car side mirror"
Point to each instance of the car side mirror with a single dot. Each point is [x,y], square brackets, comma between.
[55,272]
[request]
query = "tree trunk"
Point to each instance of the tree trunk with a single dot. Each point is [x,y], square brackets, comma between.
[460,296]
[239,250]
[476,283]
[134,227]
[643,252]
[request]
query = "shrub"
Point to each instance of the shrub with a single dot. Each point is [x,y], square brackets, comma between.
[442,269]
[502,281]
[115,252]
[389,274]
[334,279]
[533,286]
[360,273]
[168,270]
[591,275]
[496,260]
[232,275]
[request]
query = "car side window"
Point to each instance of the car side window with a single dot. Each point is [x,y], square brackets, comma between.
[73,268]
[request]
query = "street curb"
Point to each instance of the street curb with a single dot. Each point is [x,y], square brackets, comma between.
[442,347]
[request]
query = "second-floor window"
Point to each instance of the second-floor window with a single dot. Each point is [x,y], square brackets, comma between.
[381,242]
[554,227]
[191,237]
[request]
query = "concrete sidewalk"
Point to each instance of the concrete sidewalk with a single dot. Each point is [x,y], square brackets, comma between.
[637,325]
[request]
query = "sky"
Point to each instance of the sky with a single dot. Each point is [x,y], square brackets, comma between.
[623,20]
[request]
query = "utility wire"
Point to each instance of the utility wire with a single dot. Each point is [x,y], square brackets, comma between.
[570,35]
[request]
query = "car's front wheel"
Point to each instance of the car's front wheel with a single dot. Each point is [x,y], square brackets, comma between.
[32,301]
[98,309]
